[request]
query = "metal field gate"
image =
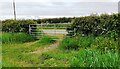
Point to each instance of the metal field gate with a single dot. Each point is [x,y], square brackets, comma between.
[38,30]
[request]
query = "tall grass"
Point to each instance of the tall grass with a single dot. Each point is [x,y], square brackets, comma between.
[69,44]
[94,58]
[80,58]
[16,38]
[103,43]
[90,51]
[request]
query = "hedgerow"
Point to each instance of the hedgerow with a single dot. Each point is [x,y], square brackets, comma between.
[93,24]
[16,25]
[96,25]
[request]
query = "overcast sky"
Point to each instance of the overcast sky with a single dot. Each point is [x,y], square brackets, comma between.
[56,8]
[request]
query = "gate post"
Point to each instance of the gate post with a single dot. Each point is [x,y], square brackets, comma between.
[29,29]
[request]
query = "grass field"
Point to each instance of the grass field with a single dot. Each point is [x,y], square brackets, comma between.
[17,54]
[78,51]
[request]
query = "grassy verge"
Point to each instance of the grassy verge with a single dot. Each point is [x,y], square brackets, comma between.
[16,38]
[17,54]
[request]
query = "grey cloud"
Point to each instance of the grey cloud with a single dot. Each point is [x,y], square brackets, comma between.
[6,8]
[59,3]
[59,8]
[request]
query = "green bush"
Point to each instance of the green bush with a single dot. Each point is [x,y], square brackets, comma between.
[16,38]
[16,25]
[105,43]
[54,20]
[96,25]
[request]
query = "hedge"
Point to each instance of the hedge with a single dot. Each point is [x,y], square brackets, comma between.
[93,24]
[96,25]
[16,25]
